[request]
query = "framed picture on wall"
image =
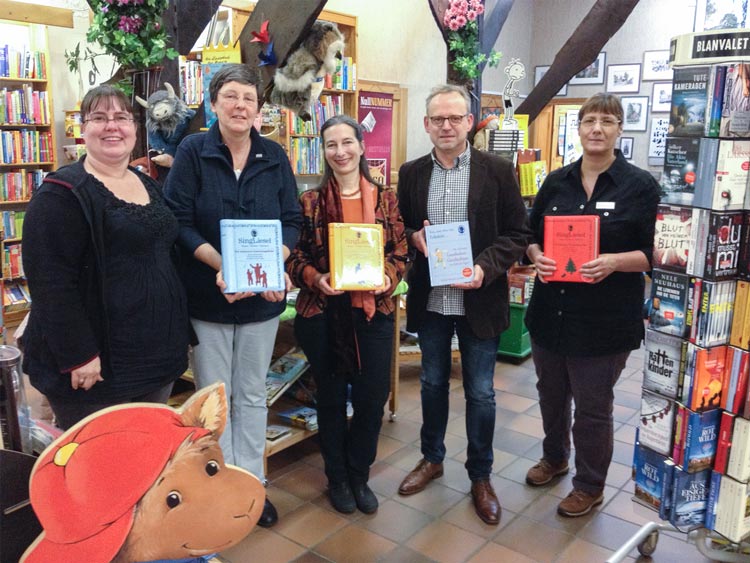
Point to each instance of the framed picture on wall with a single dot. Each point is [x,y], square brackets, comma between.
[661,97]
[626,146]
[623,78]
[656,65]
[540,71]
[636,112]
[592,74]
[720,14]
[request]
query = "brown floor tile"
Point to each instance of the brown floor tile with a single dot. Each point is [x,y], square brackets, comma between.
[304,482]
[403,554]
[454,444]
[309,525]
[263,545]
[544,510]
[513,402]
[386,478]
[435,500]
[519,535]
[283,501]
[311,557]
[514,496]
[445,542]
[354,545]
[395,521]
[526,424]
[388,446]
[623,507]
[494,553]
[406,458]
[580,550]
[455,476]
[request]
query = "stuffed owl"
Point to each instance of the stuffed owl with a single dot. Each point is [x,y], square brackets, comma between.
[293,82]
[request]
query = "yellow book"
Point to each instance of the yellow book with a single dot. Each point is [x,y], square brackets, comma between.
[355,252]
[739,333]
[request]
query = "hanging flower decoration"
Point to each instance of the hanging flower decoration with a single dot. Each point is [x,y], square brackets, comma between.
[131,31]
[463,38]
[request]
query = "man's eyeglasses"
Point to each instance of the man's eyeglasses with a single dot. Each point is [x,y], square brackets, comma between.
[102,119]
[606,123]
[438,121]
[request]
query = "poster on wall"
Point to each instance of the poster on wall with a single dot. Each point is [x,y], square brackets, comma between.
[573,148]
[657,141]
[376,118]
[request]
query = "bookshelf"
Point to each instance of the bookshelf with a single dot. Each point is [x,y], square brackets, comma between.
[27,146]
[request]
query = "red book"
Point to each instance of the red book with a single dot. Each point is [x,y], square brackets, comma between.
[571,241]
[725,440]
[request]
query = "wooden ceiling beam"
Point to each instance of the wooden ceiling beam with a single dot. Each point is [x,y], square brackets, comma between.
[32,13]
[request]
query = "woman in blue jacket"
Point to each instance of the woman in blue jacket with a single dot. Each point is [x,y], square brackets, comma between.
[231,172]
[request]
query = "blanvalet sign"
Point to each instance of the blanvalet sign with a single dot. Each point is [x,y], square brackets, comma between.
[707,47]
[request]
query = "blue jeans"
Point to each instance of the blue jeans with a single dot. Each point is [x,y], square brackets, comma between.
[478,356]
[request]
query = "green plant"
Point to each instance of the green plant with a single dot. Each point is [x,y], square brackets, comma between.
[131,31]
[463,39]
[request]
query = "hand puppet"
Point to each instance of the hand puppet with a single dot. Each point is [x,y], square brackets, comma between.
[167,121]
[316,57]
[489,123]
[142,482]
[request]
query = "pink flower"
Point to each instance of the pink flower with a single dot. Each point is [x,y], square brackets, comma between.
[461,21]
[480,9]
[453,25]
[130,24]
[471,14]
[462,6]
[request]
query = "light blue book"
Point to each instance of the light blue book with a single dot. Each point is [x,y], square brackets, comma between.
[449,253]
[251,255]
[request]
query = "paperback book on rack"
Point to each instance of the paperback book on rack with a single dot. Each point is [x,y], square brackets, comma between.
[700,388]
[680,170]
[715,244]
[449,253]
[713,303]
[669,303]
[356,256]
[672,237]
[722,183]
[732,514]
[251,255]
[689,498]
[690,92]
[571,241]
[735,117]
[656,422]
[648,475]
[695,446]
[664,362]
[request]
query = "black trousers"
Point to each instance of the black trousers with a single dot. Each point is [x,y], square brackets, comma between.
[348,451]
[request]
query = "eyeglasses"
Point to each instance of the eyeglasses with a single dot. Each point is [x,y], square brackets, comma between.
[233,98]
[102,119]
[606,123]
[438,121]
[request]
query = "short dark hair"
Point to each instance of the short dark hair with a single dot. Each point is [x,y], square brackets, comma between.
[364,170]
[104,95]
[232,72]
[448,89]
[602,103]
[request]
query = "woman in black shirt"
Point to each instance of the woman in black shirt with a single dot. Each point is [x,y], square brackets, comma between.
[582,333]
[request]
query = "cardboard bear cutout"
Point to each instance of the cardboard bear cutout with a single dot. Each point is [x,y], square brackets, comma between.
[142,482]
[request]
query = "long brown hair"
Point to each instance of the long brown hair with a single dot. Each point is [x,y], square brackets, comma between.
[364,170]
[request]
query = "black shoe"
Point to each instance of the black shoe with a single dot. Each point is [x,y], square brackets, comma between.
[366,500]
[269,516]
[341,497]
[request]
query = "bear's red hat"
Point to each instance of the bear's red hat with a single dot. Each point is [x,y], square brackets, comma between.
[85,486]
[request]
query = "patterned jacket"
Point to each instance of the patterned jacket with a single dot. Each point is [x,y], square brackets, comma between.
[311,253]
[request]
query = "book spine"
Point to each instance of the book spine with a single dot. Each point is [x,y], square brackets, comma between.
[713,497]
[679,424]
[714,122]
[743,376]
[725,439]
[665,507]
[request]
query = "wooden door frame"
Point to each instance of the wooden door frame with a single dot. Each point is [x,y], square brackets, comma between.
[544,129]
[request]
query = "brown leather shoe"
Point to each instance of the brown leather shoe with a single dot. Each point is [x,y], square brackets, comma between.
[543,472]
[578,503]
[420,476]
[485,502]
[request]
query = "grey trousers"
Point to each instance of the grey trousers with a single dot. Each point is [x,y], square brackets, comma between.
[590,382]
[238,356]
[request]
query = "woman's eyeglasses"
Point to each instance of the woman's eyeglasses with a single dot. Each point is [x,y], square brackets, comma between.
[606,123]
[102,119]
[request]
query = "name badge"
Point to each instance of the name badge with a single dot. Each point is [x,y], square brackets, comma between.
[605,204]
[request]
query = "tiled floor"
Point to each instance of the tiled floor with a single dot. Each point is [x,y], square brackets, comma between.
[439,524]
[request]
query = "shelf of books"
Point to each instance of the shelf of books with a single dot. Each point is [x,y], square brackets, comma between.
[27,141]
[692,455]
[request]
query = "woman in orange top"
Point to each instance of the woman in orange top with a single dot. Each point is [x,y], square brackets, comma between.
[347,336]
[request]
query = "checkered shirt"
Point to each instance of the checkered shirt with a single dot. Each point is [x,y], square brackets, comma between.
[447,202]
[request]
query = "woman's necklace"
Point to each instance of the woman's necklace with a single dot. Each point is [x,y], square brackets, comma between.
[351,195]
